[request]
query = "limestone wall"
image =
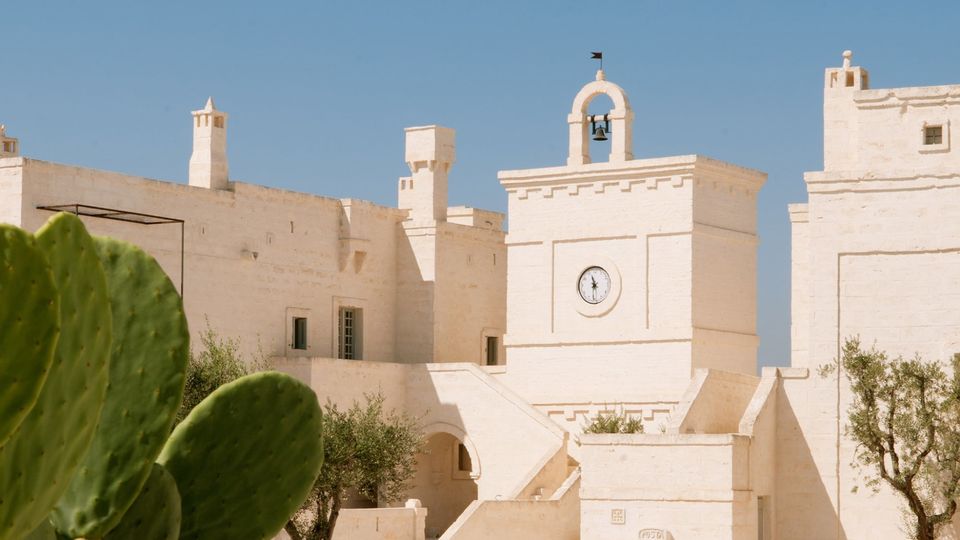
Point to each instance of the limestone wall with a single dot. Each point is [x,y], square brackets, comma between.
[380,523]
[11,190]
[255,257]
[471,292]
[678,238]
[693,486]
[556,518]
[876,254]
[883,129]
[714,403]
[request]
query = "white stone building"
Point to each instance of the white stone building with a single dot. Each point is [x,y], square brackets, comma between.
[626,284]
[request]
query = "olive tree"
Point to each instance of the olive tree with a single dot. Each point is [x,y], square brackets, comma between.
[366,450]
[217,362]
[905,419]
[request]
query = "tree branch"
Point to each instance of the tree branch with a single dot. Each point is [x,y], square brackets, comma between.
[931,431]
[891,441]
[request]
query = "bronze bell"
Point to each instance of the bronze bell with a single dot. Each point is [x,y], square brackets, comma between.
[599,134]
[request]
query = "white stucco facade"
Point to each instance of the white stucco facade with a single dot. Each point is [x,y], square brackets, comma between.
[625,284]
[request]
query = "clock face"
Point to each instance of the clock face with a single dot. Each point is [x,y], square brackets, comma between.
[594,285]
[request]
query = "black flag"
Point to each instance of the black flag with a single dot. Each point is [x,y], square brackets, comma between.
[596,56]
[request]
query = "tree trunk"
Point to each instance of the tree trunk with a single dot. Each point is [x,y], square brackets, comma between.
[925,528]
[292,530]
[331,522]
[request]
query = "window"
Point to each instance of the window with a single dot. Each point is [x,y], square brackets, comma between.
[933,135]
[350,327]
[492,350]
[463,459]
[300,333]
[763,518]
[849,78]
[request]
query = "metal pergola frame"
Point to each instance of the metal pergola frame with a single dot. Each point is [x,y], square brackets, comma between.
[127,216]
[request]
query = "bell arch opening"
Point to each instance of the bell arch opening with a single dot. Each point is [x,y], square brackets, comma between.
[598,111]
[619,118]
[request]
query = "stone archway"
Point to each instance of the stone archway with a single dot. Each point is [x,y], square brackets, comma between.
[621,118]
[446,476]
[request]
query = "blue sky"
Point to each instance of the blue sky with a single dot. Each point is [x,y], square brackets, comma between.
[319,92]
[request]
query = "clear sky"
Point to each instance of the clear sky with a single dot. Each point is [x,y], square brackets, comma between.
[319,92]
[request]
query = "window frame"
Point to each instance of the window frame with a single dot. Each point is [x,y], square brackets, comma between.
[356,332]
[933,148]
[300,341]
[291,313]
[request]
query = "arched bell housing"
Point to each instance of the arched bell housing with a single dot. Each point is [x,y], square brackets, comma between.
[615,126]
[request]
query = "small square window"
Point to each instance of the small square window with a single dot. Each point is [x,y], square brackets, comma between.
[300,333]
[933,135]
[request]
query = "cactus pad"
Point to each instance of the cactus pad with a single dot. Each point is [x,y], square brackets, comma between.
[147,372]
[155,515]
[44,531]
[40,457]
[30,319]
[246,457]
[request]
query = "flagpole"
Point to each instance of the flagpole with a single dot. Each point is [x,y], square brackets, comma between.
[597,55]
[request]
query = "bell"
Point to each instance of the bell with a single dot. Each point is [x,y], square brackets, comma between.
[599,134]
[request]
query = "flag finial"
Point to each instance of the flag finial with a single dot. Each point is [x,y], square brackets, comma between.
[597,55]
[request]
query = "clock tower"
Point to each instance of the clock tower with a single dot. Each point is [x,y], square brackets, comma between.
[625,276]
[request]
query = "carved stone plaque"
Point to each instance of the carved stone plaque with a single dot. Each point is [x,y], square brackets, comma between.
[618,516]
[655,534]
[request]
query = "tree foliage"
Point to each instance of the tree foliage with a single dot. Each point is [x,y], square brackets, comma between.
[613,422]
[365,449]
[216,363]
[905,419]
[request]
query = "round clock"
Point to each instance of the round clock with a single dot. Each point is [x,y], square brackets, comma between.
[594,285]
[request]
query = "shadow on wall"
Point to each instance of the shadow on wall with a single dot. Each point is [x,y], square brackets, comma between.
[804,508]
[448,467]
[443,482]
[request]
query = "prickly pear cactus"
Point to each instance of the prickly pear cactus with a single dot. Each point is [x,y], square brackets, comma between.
[155,515]
[147,373]
[44,531]
[29,307]
[246,457]
[44,452]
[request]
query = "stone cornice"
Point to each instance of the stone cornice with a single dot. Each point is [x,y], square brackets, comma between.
[863,181]
[911,97]
[799,212]
[650,172]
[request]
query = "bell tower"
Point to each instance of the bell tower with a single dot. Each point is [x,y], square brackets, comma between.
[624,276]
[208,163]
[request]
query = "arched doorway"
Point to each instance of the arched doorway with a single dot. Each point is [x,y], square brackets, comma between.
[446,478]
